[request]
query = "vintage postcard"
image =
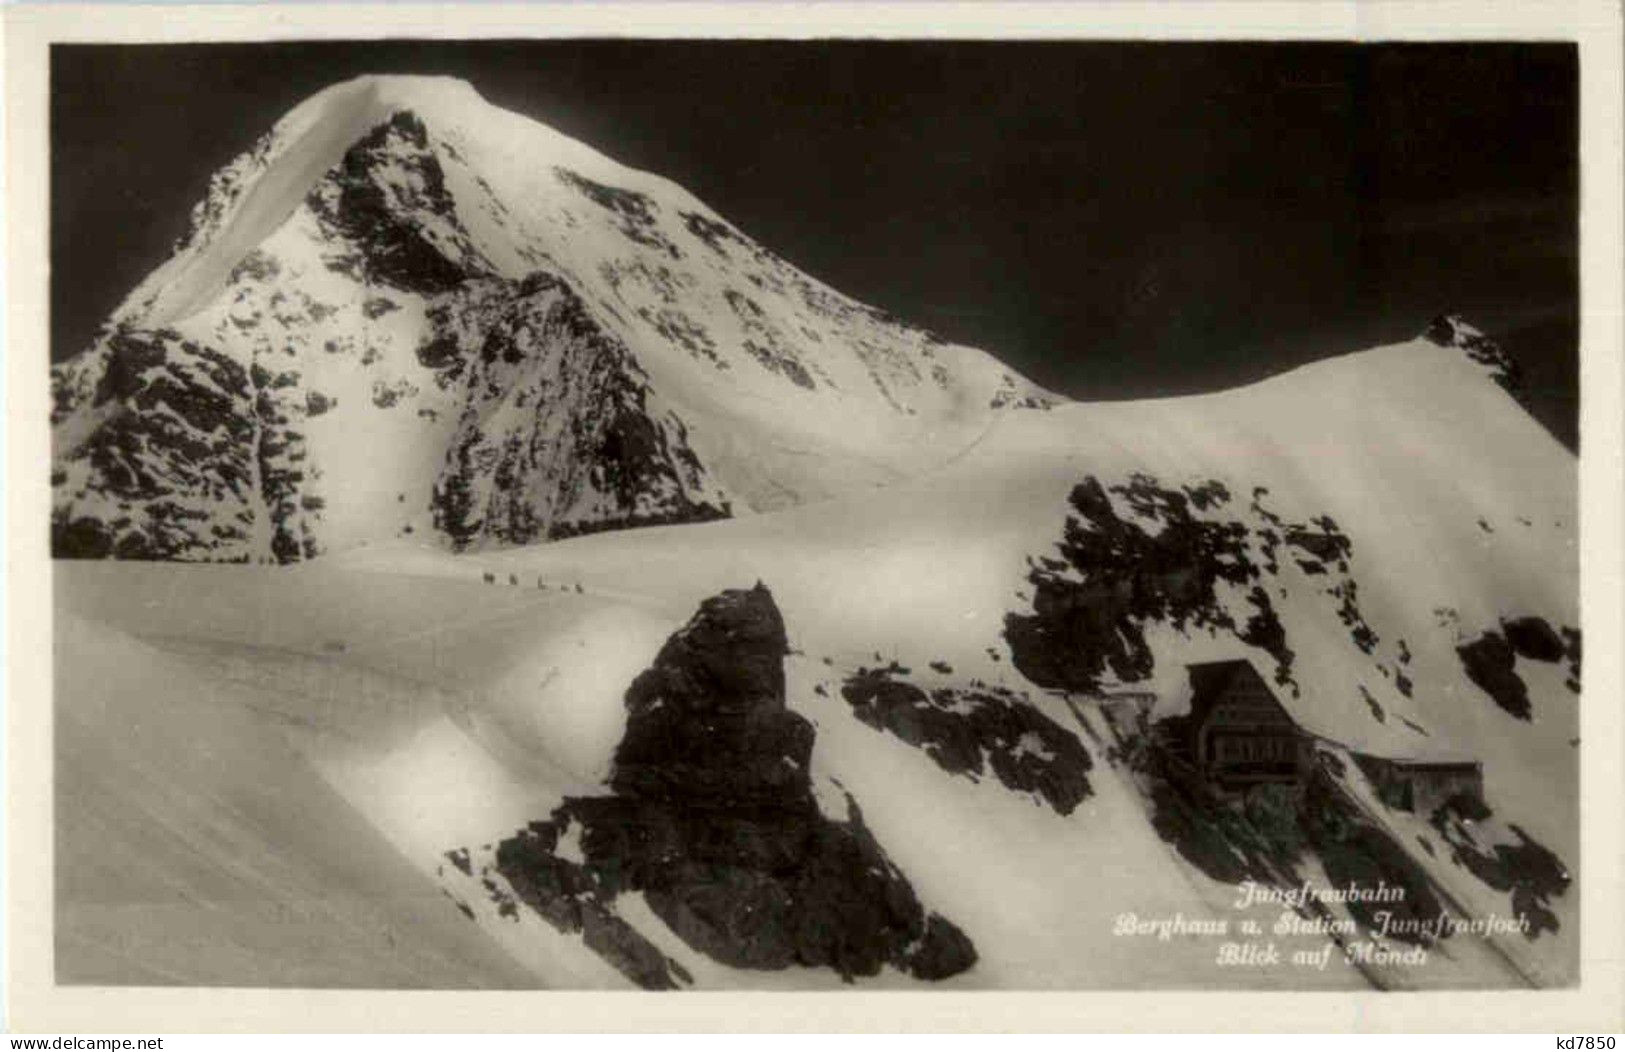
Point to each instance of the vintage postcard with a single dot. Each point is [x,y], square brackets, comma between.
[1105,506]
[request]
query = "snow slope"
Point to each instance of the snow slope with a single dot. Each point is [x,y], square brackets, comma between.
[406,312]
[194,847]
[1386,509]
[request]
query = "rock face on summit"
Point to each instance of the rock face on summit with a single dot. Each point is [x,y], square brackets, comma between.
[707,724]
[713,818]
[406,313]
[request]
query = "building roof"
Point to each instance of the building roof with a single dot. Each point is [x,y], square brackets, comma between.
[1210,679]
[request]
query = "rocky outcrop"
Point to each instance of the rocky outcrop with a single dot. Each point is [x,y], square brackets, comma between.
[1533,638]
[969,730]
[1507,859]
[1139,553]
[387,198]
[1491,663]
[194,457]
[712,818]
[1491,660]
[587,452]
[1115,575]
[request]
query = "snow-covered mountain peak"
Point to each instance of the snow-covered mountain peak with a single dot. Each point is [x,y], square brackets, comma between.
[1452,330]
[261,188]
[451,319]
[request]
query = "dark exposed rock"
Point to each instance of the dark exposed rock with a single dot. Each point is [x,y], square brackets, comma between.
[1357,855]
[708,720]
[567,896]
[1491,663]
[714,820]
[1325,541]
[1528,871]
[385,396]
[684,331]
[186,429]
[967,730]
[634,212]
[1079,630]
[773,894]
[371,202]
[1211,837]
[438,353]
[591,456]
[1533,638]
[1008,397]
[1571,651]
[689,512]
[944,952]
[1377,712]
[780,362]
[81,538]
[1209,494]
[1090,607]
[1348,611]
[128,360]
[1265,631]
[713,233]
[1263,840]
[1448,330]
[766,343]
[634,956]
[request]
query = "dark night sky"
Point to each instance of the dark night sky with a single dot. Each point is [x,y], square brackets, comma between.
[1115,220]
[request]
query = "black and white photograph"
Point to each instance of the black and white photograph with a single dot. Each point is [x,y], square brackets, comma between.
[633,513]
